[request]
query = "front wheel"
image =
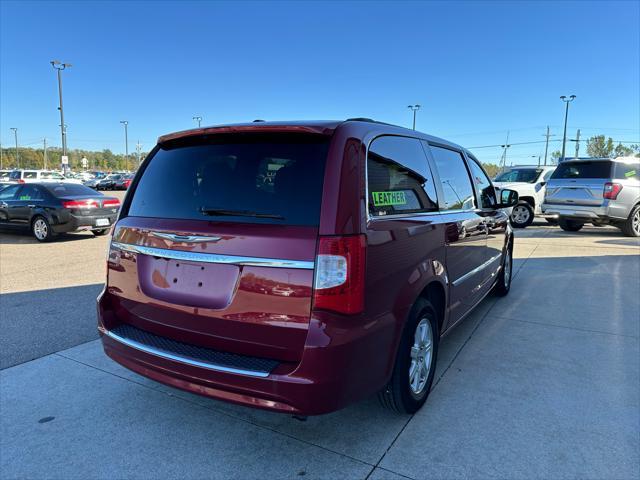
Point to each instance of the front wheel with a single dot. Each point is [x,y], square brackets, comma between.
[415,363]
[570,225]
[522,215]
[41,229]
[631,226]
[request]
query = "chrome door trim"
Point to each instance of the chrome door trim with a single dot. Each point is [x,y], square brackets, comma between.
[185,238]
[458,281]
[185,360]
[214,257]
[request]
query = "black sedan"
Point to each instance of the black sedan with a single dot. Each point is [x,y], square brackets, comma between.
[49,208]
[109,182]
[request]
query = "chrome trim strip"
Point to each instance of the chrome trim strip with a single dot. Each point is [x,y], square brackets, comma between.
[185,360]
[476,270]
[214,257]
[185,238]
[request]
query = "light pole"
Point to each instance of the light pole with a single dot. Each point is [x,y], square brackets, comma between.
[566,114]
[59,66]
[15,134]
[126,144]
[414,108]
[198,119]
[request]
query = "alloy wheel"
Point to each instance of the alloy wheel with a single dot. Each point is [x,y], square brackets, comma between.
[507,269]
[40,229]
[635,223]
[421,356]
[520,214]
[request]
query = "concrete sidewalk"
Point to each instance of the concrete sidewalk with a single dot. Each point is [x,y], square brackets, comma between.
[544,383]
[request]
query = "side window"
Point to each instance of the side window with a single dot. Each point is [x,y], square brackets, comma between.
[627,170]
[9,193]
[456,184]
[399,178]
[547,176]
[30,192]
[30,174]
[483,184]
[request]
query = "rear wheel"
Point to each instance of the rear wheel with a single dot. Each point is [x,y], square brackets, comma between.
[631,226]
[99,233]
[570,225]
[503,285]
[415,363]
[522,215]
[41,229]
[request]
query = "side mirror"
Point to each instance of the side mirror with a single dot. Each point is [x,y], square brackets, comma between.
[508,198]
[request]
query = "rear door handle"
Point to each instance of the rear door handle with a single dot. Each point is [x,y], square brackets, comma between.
[31,206]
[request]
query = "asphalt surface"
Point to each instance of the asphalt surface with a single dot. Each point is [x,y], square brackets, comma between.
[544,383]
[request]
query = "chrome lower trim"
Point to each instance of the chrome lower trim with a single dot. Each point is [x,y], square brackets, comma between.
[467,275]
[213,257]
[184,360]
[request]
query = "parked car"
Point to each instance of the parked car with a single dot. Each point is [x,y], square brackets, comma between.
[371,242]
[92,183]
[123,182]
[32,176]
[46,209]
[599,191]
[109,182]
[530,183]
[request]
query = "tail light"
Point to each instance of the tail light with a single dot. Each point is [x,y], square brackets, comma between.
[339,280]
[80,204]
[611,190]
[21,181]
[111,203]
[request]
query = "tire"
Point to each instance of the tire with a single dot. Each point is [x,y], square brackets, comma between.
[631,226]
[401,394]
[100,233]
[522,215]
[503,284]
[570,225]
[41,229]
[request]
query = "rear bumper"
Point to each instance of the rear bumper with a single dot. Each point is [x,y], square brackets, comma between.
[342,362]
[585,212]
[85,222]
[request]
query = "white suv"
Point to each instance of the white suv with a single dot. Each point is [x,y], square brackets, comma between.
[529,182]
[31,176]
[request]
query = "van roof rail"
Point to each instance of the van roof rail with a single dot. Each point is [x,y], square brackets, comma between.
[370,120]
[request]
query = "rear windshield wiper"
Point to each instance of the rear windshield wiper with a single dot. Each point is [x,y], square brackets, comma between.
[238,213]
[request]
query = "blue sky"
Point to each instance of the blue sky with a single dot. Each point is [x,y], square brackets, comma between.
[478,68]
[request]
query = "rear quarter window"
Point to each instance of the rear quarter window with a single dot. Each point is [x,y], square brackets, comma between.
[627,170]
[398,176]
[594,169]
[253,178]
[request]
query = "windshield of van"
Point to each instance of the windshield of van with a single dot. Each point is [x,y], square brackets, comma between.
[254,178]
[529,175]
[597,169]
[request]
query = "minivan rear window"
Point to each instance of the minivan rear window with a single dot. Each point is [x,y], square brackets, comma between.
[596,169]
[249,178]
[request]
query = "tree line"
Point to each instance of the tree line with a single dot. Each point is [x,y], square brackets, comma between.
[104,160]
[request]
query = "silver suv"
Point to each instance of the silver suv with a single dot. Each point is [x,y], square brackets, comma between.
[599,191]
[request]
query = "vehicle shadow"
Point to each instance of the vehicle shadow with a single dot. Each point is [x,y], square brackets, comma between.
[12,237]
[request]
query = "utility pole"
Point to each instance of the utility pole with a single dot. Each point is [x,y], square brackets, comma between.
[15,134]
[1,156]
[566,115]
[414,108]
[138,150]
[198,119]
[503,160]
[577,140]
[44,141]
[126,144]
[546,145]
[59,66]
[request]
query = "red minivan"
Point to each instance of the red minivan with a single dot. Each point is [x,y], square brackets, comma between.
[301,266]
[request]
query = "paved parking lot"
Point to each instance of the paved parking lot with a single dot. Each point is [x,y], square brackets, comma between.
[544,383]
